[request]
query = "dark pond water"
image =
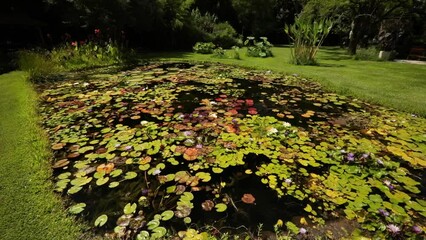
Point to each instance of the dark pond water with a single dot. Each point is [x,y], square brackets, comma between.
[280,139]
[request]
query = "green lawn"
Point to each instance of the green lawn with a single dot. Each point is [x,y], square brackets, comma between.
[397,85]
[28,207]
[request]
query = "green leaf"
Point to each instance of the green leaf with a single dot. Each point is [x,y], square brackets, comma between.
[143,235]
[153,224]
[74,189]
[77,208]
[114,184]
[167,215]
[102,181]
[116,173]
[158,232]
[101,220]
[308,208]
[130,208]
[221,207]
[130,175]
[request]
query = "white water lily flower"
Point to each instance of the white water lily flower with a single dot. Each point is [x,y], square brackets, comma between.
[272,131]
[286,124]
[156,172]
[85,84]
[144,122]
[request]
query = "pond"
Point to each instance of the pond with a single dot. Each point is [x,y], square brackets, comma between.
[166,147]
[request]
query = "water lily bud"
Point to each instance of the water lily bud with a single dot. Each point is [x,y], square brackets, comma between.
[417,229]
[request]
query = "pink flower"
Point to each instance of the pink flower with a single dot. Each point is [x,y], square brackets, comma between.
[97,31]
[74,44]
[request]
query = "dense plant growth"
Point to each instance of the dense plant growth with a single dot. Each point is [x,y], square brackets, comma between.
[204,47]
[257,48]
[307,38]
[68,57]
[155,150]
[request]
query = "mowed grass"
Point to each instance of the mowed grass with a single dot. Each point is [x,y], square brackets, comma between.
[28,207]
[400,86]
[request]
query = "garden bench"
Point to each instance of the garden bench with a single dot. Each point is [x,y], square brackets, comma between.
[417,53]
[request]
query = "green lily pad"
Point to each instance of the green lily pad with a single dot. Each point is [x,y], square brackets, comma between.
[130,208]
[220,207]
[77,208]
[130,175]
[167,215]
[101,220]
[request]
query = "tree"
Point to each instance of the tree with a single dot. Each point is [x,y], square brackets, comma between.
[360,18]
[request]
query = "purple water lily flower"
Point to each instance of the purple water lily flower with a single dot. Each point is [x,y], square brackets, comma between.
[302,231]
[365,155]
[187,133]
[392,228]
[417,229]
[379,161]
[383,212]
[199,146]
[350,157]
[388,184]
[128,148]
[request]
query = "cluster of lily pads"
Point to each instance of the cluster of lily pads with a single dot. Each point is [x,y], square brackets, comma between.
[146,152]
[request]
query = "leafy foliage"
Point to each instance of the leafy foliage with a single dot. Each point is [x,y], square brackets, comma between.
[204,47]
[260,48]
[307,38]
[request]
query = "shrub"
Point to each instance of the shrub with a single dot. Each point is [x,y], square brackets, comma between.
[204,47]
[258,48]
[224,35]
[77,56]
[368,54]
[307,37]
[219,53]
[235,54]
[39,65]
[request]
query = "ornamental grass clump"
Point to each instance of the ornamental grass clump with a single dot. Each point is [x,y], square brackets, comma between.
[307,38]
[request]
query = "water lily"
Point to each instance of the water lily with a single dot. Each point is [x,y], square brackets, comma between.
[379,161]
[187,133]
[365,155]
[286,124]
[199,146]
[302,231]
[392,228]
[288,181]
[417,229]
[128,148]
[144,122]
[383,212]
[272,131]
[350,157]
[156,172]
[86,84]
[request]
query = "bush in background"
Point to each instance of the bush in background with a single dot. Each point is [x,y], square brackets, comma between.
[367,54]
[204,47]
[307,38]
[39,65]
[260,48]
[219,53]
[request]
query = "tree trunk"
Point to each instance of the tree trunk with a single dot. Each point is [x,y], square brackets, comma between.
[353,37]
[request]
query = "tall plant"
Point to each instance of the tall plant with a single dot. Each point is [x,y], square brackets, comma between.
[307,38]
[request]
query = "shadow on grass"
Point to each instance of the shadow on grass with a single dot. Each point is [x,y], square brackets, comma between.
[334,53]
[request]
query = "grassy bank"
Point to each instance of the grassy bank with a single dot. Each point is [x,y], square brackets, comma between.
[397,85]
[28,207]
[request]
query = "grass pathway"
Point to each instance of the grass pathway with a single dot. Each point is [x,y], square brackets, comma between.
[28,207]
